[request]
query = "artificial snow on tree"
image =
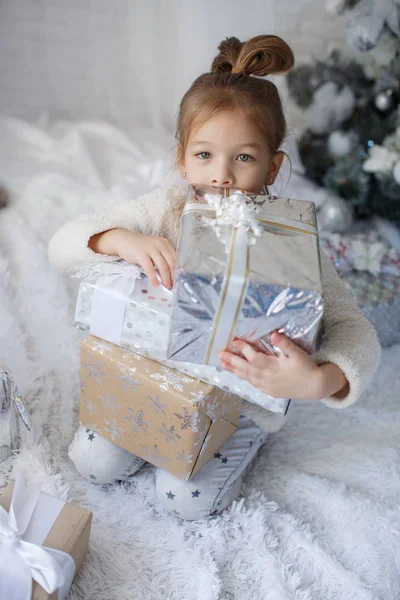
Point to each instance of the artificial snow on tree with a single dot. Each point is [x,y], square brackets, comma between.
[351,145]
[368,20]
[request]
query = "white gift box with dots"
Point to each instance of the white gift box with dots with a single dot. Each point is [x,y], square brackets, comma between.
[144,329]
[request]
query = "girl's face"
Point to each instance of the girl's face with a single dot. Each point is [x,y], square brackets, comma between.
[227,151]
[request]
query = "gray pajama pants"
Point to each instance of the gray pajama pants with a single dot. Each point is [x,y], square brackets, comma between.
[212,489]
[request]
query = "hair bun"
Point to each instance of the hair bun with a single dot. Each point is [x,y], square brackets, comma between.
[261,55]
[229,51]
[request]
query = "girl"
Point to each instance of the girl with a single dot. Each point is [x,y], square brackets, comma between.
[230,129]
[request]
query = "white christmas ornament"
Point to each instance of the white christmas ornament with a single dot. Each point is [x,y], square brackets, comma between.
[396,172]
[380,160]
[339,143]
[329,108]
[335,215]
[335,7]
[384,100]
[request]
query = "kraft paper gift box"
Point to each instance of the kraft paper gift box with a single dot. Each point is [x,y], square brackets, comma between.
[171,420]
[247,265]
[50,530]
[117,304]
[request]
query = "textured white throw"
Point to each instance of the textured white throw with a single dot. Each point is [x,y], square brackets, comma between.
[319,514]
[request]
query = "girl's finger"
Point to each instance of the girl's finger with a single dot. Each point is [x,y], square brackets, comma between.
[148,267]
[238,365]
[171,260]
[254,357]
[246,373]
[285,344]
[165,244]
[163,268]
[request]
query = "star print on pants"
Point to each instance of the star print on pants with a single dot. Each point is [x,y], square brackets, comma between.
[91,437]
[217,455]
[170,495]
[93,477]
[224,460]
[196,494]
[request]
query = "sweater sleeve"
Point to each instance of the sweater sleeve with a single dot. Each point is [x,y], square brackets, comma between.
[348,339]
[68,249]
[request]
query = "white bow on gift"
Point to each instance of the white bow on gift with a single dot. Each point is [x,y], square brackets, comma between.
[21,560]
[118,274]
[368,256]
[236,210]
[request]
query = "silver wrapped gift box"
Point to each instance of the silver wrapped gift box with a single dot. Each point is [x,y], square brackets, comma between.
[15,420]
[247,265]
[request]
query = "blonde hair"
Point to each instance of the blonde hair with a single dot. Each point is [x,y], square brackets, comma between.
[234,84]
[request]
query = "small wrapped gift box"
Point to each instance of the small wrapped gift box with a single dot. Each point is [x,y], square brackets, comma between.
[361,250]
[15,421]
[171,420]
[43,543]
[117,304]
[247,265]
[378,296]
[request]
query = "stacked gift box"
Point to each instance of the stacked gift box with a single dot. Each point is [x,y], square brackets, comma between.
[151,380]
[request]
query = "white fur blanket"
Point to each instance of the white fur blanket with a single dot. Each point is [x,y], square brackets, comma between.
[319,514]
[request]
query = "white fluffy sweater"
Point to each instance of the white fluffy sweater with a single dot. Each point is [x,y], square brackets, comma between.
[348,339]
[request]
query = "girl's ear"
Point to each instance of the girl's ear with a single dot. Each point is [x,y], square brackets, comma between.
[276,163]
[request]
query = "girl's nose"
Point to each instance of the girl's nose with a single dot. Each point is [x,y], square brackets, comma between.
[223,177]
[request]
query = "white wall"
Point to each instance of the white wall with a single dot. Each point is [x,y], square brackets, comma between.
[129,60]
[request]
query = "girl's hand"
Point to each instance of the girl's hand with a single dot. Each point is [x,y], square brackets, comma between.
[294,375]
[147,251]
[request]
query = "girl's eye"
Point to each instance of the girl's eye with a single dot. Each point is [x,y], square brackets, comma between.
[245,158]
[201,155]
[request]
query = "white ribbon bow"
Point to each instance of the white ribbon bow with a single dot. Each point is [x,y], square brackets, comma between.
[118,274]
[237,211]
[22,561]
[368,256]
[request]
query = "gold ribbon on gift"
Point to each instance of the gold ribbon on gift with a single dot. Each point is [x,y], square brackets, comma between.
[235,279]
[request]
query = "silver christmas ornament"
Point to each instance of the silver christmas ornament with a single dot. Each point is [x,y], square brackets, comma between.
[335,215]
[384,100]
[396,172]
[339,143]
[335,7]
[15,421]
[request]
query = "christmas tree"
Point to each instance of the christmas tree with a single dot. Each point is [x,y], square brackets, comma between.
[351,145]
